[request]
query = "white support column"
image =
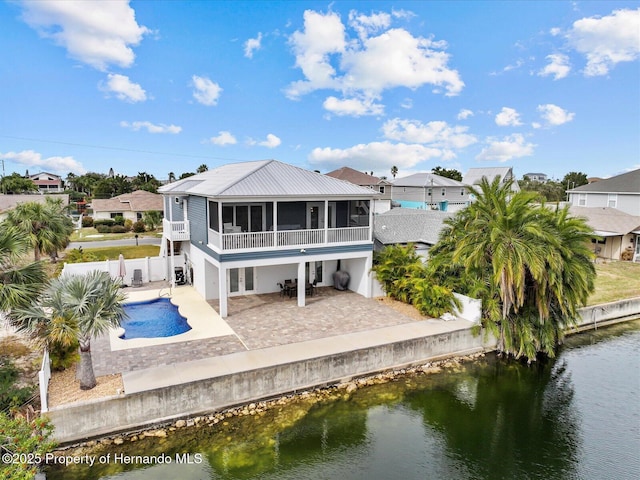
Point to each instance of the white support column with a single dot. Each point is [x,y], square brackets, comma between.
[368,275]
[275,223]
[302,284]
[326,221]
[222,290]
[370,222]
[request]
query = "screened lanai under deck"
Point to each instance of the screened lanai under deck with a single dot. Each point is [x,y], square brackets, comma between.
[275,224]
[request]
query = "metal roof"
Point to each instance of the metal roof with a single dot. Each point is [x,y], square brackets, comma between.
[427,180]
[264,178]
[474,176]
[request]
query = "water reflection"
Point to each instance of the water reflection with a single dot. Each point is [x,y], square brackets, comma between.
[490,419]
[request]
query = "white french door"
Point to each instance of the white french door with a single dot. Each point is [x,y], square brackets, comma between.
[241,281]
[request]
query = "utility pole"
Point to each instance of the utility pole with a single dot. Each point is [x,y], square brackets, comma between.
[3,185]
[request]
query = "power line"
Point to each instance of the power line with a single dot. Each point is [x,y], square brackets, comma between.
[122,149]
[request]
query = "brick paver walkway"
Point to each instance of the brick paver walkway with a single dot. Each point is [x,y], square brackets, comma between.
[259,321]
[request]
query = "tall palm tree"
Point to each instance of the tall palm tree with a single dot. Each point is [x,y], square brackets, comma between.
[530,265]
[394,171]
[19,282]
[75,307]
[45,225]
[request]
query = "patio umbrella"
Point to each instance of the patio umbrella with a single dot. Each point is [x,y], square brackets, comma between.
[122,268]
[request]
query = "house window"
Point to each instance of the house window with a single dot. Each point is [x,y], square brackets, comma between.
[462,192]
[429,191]
[115,214]
[444,192]
[213,216]
[381,188]
[138,216]
[612,201]
[582,199]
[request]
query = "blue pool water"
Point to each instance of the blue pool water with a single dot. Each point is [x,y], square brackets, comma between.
[153,318]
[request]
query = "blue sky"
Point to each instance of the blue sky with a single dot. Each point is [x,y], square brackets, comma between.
[163,87]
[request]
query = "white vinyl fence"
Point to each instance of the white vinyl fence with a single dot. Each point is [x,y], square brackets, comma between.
[44,375]
[153,268]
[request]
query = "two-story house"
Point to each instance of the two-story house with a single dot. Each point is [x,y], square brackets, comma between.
[47,182]
[382,203]
[429,191]
[245,227]
[621,192]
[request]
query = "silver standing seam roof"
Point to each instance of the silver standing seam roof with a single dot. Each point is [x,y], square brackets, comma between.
[426,180]
[264,178]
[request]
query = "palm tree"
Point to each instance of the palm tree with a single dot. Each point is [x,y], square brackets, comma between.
[74,307]
[394,171]
[530,265]
[19,282]
[202,168]
[45,225]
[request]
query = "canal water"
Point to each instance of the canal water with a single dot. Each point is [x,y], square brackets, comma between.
[577,417]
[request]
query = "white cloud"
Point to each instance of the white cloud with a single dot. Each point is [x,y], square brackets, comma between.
[206,91]
[508,117]
[251,45]
[407,103]
[380,156]
[330,59]
[272,141]
[99,35]
[436,134]
[30,158]
[367,25]
[354,107]
[512,146]
[151,127]
[558,66]
[554,115]
[224,138]
[464,114]
[124,89]
[607,41]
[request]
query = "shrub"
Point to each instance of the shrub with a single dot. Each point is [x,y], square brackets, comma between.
[23,437]
[118,220]
[87,221]
[431,299]
[139,227]
[128,224]
[10,395]
[103,229]
[104,221]
[63,356]
[118,229]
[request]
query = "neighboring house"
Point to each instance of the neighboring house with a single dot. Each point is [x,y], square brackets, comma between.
[131,206]
[618,230]
[245,227]
[621,192]
[382,203]
[536,177]
[47,182]
[9,202]
[401,226]
[428,191]
[475,175]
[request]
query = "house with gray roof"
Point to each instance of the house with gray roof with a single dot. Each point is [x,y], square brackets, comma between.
[402,226]
[621,192]
[246,227]
[475,175]
[617,231]
[428,191]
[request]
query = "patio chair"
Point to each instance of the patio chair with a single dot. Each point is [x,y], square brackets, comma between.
[283,289]
[311,288]
[136,280]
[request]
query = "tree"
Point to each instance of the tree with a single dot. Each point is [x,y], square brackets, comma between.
[394,171]
[152,218]
[574,179]
[112,186]
[45,225]
[451,173]
[15,184]
[19,282]
[186,175]
[172,177]
[531,266]
[86,183]
[146,181]
[202,168]
[74,308]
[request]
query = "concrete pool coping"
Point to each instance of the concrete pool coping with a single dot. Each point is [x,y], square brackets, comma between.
[204,321]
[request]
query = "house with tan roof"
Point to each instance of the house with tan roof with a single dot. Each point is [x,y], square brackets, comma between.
[382,203]
[131,206]
[9,202]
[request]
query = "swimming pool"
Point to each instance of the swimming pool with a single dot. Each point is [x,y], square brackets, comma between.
[153,318]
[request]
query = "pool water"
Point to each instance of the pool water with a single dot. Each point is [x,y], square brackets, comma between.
[153,318]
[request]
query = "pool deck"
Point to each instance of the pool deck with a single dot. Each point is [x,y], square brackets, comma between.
[260,331]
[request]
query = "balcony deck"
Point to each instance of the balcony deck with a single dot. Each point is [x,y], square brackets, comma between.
[176,230]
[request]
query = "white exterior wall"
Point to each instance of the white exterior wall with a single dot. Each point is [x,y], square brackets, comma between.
[153,268]
[381,206]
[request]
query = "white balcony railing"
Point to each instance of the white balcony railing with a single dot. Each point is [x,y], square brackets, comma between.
[286,238]
[176,230]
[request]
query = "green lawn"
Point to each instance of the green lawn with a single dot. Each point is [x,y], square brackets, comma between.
[113,253]
[90,234]
[615,281]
